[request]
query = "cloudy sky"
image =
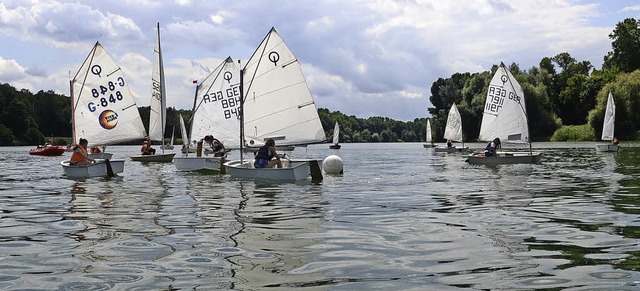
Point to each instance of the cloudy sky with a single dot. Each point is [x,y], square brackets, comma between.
[360,57]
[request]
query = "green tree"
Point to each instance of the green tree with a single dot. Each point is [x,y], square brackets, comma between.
[625,56]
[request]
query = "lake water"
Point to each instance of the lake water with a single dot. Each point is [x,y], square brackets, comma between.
[401,217]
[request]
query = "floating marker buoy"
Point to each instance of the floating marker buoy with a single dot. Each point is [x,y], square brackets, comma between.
[332,165]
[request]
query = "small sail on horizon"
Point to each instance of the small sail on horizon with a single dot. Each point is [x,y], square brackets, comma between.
[609,119]
[336,133]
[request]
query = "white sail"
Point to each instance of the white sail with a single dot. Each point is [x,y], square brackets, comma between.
[217,105]
[453,129]
[609,119]
[103,109]
[429,138]
[336,133]
[277,100]
[504,114]
[157,114]
[183,133]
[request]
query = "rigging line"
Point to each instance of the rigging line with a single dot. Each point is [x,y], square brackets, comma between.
[265,41]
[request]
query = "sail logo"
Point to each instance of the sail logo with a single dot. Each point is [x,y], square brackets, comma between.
[108,119]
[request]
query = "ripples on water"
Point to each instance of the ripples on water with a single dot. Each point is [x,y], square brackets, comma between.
[400,218]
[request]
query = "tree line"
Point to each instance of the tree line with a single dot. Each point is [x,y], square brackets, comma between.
[565,100]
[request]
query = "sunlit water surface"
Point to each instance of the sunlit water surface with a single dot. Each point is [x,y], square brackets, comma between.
[401,217]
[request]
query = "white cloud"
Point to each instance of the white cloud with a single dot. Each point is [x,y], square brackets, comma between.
[362,57]
[11,71]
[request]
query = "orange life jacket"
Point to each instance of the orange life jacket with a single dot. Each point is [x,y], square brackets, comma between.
[76,157]
[146,147]
[95,150]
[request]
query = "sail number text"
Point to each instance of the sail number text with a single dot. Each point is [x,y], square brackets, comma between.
[106,94]
[229,100]
[496,97]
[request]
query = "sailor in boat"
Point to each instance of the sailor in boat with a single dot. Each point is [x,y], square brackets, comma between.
[265,155]
[213,146]
[615,141]
[80,156]
[449,143]
[492,147]
[95,150]
[146,148]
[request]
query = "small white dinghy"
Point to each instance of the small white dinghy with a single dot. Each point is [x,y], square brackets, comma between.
[276,104]
[158,112]
[453,132]
[103,111]
[505,118]
[608,127]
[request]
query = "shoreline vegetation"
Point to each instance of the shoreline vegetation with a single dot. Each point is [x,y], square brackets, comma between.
[565,101]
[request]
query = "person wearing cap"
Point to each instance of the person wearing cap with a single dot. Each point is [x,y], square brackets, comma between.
[146,147]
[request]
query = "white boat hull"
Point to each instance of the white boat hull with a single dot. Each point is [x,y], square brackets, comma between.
[291,170]
[157,158]
[101,156]
[97,169]
[214,164]
[607,148]
[451,149]
[505,158]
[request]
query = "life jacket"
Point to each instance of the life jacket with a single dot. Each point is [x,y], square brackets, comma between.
[95,150]
[264,153]
[489,148]
[76,157]
[146,147]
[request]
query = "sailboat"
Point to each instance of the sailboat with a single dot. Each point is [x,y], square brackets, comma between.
[505,117]
[158,112]
[186,143]
[608,127]
[169,146]
[453,131]
[216,112]
[336,137]
[276,104]
[428,137]
[103,111]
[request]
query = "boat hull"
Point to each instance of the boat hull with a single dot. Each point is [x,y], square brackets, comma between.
[97,169]
[428,146]
[335,146]
[505,158]
[292,170]
[101,156]
[167,147]
[451,149]
[607,148]
[203,164]
[48,151]
[158,158]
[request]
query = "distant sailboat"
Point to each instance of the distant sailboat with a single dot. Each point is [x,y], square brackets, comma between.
[187,147]
[428,136]
[608,127]
[169,146]
[453,131]
[158,112]
[505,117]
[336,137]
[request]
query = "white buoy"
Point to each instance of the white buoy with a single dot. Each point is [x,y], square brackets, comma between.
[332,165]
